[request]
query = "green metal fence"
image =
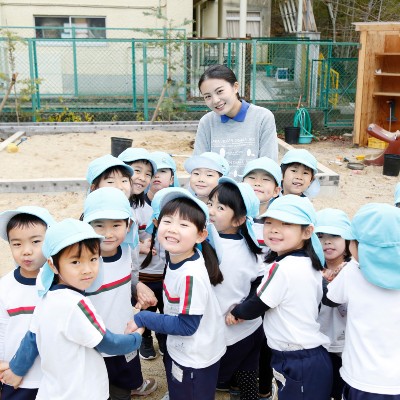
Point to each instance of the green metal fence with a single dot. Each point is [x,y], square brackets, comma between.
[120,75]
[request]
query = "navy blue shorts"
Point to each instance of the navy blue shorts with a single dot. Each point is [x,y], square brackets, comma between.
[123,374]
[241,356]
[190,383]
[349,393]
[303,374]
[9,393]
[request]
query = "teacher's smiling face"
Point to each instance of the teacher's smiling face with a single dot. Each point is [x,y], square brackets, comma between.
[220,96]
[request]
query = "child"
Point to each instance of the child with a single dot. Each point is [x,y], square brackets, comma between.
[236,130]
[264,176]
[289,295]
[152,272]
[397,195]
[298,170]
[65,327]
[334,232]
[109,171]
[165,176]
[108,211]
[205,170]
[192,319]
[24,229]
[371,289]
[232,206]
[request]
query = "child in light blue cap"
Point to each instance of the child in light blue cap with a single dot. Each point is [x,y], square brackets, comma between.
[192,317]
[265,176]
[371,354]
[334,231]
[24,229]
[397,195]
[66,322]
[289,295]
[108,211]
[232,207]
[109,171]
[299,168]
[205,170]
[153,274]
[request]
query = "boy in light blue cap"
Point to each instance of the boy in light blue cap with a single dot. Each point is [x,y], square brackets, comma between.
[109,171]
[299,168]
[371,354]
[289,295]
[334,231]
[205,170]
[66,322]
[108,211]
[397,195]
[265,176]
[24,229]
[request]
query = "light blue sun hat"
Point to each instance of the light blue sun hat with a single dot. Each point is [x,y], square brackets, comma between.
[101,164]
[376,227]
[59,236]
[397,194]
[334,222]
[301,156]
[109,203]
[38,212]
[132,154]
[296,210]
[208,160]
[265,164]
[163,196]
[251,202]
[164,160]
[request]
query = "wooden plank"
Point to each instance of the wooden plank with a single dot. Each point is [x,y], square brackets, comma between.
[387,94]
[11,139]
[376,26]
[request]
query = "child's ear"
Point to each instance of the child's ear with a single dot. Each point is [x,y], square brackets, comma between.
[92,188]
[129,226]
[308,232]
[202,236]
[239,221]
[155,222]
[276,191]
[51,265]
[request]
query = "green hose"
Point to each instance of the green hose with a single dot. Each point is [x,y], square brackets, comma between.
[302,119]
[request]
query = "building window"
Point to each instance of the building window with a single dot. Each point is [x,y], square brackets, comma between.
[253,24]
[60,27]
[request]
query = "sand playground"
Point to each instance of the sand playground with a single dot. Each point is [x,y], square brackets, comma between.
[68,155]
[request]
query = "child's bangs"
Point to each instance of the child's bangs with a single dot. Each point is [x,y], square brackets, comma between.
[229,195]
[76,249]
[110,171]
[187,210]
[24,221]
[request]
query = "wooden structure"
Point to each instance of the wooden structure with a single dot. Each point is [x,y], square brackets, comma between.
[378,79]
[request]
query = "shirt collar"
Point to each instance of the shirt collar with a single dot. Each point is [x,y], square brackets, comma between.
[240,116]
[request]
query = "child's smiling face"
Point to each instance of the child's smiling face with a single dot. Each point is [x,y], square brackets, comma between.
[263,184]
[142,174]
[296,179]
[114,232]
[203,181]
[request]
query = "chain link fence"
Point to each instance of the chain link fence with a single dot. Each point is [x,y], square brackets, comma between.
[121,74]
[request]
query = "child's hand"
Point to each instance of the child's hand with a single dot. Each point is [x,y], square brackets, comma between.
[331,274]
[231,320]
[131,327]
[3,366]
[145,297]
[9,378]
[140,330]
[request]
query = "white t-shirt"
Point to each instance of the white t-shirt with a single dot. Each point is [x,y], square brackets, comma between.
[18,299]
[113,299]
[67,329]
[187,290]
[293,290]
[371,352]
[240,268]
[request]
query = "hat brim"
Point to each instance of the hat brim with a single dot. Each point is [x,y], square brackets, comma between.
[105,214]
[4,220]
[196,162]
[284,216]
[333,230]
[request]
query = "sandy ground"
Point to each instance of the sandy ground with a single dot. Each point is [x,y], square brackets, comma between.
[67,155]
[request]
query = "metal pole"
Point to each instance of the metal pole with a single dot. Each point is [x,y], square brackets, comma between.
[74,56]
[145,88]
[134,105]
